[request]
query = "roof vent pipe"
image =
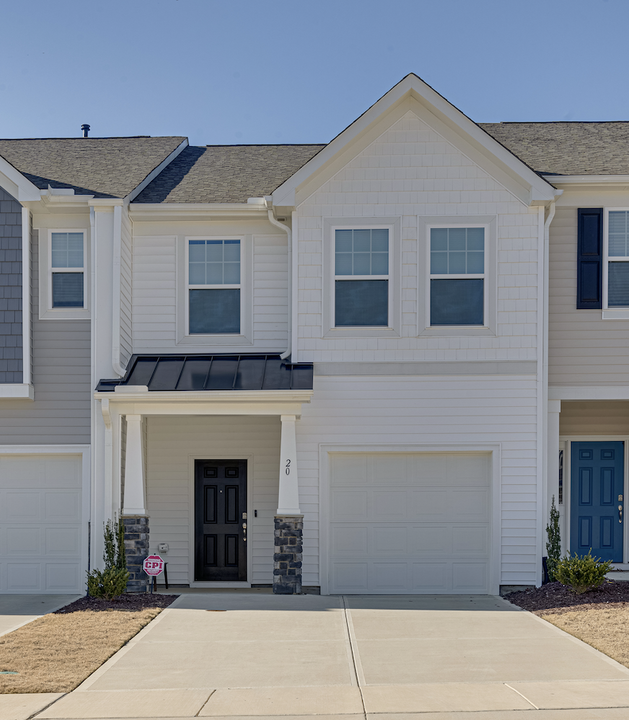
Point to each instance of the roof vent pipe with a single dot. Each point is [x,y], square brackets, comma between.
[85,128]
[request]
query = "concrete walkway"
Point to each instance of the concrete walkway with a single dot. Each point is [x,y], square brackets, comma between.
[237,655]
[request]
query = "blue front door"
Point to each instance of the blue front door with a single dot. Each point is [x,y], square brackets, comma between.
[597,499]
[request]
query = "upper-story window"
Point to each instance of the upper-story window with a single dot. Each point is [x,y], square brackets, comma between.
[214,285]
[67,266]
[361,277]
[457,276]
[617,259]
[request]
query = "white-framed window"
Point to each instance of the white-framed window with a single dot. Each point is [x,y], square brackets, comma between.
[67,269]
[458,287]
[213,286]
[616,261]
[361,277]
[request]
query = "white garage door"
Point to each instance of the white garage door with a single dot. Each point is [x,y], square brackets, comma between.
[409,523]
[40,524]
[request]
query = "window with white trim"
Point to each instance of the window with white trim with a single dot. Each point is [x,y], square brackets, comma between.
[361,277]
[67,268]
[214,287]
[617,259]
[457,276]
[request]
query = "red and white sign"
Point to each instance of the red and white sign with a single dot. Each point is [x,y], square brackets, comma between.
[153,565]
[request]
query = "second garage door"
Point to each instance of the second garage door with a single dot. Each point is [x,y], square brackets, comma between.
[409,523]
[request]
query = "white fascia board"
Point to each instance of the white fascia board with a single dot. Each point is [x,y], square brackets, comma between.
[141,393]
[590,392]
[414,87]
[154,173]
[16,184]
[588,179]
[17,391]
[164,211]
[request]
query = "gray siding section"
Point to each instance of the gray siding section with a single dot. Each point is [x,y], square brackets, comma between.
[60,413]
[10,289]
[584,349]
[126,290]
[594,418]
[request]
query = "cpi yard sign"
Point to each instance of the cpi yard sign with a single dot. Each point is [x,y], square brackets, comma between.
[153,565]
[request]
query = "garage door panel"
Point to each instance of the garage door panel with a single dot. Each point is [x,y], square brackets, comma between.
[469,577]
[389,577]
[62,506]
[389,505]
[417,523]
[62,577]
[23,541]
[470,541]
[350,541]
[62,541]
[23,507]
[390,540]
[24,577]
[429,505]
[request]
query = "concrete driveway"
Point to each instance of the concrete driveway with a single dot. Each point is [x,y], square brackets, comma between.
[235,655]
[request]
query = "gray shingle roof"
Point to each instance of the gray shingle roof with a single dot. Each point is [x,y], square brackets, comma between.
[104,167]
[226,173]
[567,148]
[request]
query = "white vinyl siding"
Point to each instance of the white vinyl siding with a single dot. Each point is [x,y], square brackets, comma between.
[126,291]
[173,445]
[407,173]
[155,295]
[584,349]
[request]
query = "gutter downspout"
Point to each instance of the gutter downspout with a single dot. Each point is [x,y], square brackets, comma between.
[289,236]
[115,309]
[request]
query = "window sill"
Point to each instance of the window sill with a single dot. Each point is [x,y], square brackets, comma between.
[210,340]
[17,391]
[361,332]
[456,331]
[65,314]
[616,314]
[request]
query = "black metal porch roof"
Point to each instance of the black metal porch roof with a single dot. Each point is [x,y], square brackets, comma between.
[213,372]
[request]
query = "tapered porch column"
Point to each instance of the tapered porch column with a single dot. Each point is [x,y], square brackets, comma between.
[288,519]
[135,519]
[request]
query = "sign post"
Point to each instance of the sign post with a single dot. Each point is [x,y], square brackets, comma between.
[153,566]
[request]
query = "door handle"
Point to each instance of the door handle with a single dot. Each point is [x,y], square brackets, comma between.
[620,513]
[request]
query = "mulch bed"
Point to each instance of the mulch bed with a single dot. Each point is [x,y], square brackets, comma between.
[131,602]
[558,598]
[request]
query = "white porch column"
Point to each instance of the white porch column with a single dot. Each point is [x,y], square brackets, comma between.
[288,496]
[134,495]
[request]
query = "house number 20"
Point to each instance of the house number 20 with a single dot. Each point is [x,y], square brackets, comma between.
[288,467]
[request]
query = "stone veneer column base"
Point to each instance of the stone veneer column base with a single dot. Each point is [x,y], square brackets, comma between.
[136,543]
[287,559]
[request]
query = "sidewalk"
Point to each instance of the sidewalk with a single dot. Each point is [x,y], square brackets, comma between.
[232,656]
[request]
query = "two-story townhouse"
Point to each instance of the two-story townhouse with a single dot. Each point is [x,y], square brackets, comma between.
[312,366]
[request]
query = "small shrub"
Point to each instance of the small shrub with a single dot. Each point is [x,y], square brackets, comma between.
[582,573]
[108,584]
[112,581]
[553,546]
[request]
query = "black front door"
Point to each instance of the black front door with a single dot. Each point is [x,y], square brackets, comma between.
[220,520]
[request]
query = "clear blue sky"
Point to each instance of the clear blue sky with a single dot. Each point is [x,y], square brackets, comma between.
[293,71]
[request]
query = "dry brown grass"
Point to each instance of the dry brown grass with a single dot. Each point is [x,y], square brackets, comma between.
[604,627]
[57,652]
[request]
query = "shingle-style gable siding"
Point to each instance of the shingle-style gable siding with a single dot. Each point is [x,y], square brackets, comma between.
[10,289]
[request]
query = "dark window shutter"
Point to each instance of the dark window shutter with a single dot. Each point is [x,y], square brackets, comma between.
[590,259]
